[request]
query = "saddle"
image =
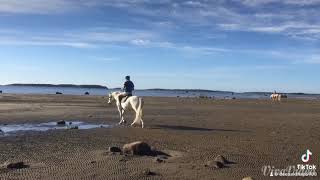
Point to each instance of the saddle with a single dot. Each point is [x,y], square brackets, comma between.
[124,99]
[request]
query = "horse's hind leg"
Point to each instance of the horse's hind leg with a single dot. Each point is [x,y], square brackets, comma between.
[142,125]
[136,119]
[123,120]
[138,110]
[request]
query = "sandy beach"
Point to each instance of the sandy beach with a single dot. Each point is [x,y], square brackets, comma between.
[249,133]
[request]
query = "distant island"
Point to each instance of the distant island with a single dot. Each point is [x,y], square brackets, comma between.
[189,90]
[61,85]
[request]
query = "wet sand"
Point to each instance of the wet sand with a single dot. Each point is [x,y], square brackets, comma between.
[250,133]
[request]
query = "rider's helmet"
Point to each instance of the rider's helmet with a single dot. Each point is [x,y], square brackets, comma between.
[128,78]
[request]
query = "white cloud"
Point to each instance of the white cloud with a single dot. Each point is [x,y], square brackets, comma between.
[140,42]
[104,59]
[194,3]
[98,37]
[291,29]
[17,42]
[288,27]
[313,59]
[292,20]
[89,38]
[288,2]
[36,6]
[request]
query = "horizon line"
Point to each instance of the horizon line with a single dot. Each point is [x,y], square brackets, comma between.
[182,89]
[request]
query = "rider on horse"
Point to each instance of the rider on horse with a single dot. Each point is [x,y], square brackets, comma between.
[128,87]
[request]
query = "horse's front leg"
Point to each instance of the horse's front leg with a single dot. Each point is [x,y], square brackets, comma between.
[122,119]
[121,111]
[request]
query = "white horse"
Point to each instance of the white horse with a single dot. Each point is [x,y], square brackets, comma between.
[277,96]
[136,104]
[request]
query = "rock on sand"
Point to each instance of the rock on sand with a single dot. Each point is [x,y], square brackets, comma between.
[147,172]
[219,162]
[61,123]
[114,149]
[158,160]
[221,159]
[214,164]
[74,127]
[137,148]
[248,178]
[17,165]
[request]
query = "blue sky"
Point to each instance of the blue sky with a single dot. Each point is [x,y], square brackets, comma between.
[236,45]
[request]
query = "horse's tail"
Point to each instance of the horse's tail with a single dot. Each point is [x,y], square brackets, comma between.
[140,111]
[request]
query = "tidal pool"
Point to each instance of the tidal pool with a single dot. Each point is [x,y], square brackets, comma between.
[12,129]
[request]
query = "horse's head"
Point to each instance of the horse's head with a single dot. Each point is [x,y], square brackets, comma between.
[112,96]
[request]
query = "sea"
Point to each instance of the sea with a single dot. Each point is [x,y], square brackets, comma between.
[152,92]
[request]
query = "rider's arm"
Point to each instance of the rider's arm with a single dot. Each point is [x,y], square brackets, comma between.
[124,86]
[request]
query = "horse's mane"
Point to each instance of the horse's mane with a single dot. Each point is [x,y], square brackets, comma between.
[115,93]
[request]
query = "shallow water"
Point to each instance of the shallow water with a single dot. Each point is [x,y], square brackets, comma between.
[13,129]
[152,93]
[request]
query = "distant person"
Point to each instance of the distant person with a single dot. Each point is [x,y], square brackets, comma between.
[128,88]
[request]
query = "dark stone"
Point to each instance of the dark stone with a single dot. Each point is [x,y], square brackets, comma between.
[147,172]
[158,160]
[58,92]
[17,165]
[203,97]
[138,148]
[218,165]
[61,123]
[0,92]
[114,149]
[74,127]
[214,164]
[221,159]
[86,93]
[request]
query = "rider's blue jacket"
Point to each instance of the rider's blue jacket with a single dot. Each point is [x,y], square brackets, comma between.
[128,87]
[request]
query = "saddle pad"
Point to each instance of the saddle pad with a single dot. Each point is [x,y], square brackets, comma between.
[124,99]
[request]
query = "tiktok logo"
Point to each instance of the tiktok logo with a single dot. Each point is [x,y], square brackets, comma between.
[306,157]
